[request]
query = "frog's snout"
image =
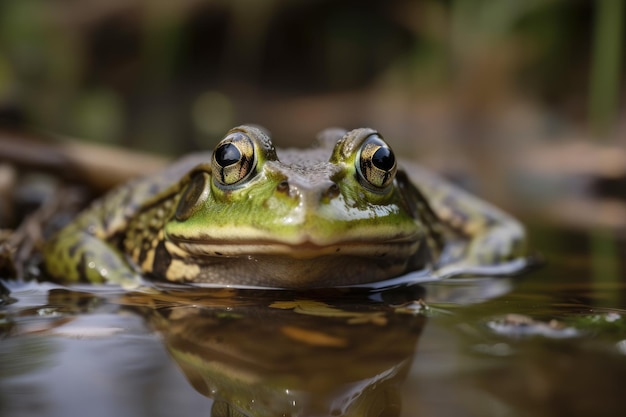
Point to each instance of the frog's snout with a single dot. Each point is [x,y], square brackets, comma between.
[308,196]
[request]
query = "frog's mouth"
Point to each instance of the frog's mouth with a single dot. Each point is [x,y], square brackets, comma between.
[303,263]
[394,248]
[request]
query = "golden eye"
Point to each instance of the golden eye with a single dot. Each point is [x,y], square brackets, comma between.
[376,163]
[233,159]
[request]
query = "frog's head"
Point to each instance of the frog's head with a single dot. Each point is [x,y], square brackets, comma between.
[333,214]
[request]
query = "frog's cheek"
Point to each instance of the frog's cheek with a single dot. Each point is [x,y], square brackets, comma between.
[193,197]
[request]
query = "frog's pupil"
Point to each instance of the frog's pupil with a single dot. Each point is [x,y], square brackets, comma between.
[227,154]
[383,159]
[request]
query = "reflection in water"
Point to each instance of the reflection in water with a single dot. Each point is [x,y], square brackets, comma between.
[486,347]
[293,356]
[253,353]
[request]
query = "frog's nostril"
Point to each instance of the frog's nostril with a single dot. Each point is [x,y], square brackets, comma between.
[332,191]
[283,187]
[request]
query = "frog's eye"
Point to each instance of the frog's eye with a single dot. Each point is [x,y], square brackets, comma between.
[233,159]
[376,163]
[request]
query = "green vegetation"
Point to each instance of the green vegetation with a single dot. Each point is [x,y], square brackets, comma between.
[168,76]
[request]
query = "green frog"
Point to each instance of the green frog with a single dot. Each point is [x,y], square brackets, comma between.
[343,212]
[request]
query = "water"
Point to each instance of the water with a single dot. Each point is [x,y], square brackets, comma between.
[549,343]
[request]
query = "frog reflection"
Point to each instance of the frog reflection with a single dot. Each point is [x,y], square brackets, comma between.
[292,357]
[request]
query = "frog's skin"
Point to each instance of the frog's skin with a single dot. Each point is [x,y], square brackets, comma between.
[340,213]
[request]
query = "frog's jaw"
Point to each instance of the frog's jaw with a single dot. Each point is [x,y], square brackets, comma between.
[275,263]
[303,233]
[290,272]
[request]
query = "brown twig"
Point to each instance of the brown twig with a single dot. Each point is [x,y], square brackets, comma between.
[97,166]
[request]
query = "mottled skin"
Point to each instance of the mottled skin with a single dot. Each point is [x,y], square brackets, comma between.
[335,214]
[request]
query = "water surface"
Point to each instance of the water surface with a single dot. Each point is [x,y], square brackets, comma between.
[551,342]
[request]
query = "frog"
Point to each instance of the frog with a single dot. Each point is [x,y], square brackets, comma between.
[345,211]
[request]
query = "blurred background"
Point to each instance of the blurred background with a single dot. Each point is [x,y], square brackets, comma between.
[522,101]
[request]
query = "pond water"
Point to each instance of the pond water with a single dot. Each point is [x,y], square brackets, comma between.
[551,342]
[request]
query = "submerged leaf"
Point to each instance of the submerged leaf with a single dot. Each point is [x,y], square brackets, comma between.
[320,309]
[313,337]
